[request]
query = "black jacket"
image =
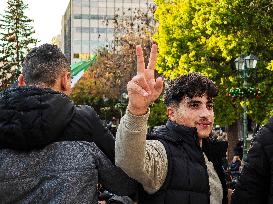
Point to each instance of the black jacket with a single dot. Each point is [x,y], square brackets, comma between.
[32,118]
[235,166]
[187,178]
[255,184]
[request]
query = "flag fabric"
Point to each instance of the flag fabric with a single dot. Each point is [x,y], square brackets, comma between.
[78,69]
[82,66]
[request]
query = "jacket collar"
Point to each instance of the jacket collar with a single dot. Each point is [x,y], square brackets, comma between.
[182,133]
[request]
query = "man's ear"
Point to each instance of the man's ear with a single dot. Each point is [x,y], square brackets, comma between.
[171,113]
[64,81]
[21,81]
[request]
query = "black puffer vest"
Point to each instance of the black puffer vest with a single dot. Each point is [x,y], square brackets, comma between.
[187,178]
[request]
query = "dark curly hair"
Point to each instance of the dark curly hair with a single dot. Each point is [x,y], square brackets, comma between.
[43,64]
[190,85]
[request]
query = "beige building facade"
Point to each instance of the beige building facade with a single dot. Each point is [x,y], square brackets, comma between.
[89,24]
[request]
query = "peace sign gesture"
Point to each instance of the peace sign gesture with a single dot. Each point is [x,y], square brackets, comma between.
[144,89]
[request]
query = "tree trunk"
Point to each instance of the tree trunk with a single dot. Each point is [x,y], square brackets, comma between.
[232,133]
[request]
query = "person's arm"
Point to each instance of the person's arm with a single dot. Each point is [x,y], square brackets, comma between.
[90,124]
[112,178]
[144,160]
[253,184]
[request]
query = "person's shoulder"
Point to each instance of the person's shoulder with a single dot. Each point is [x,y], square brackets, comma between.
[84,109]
[87,112]
[265,135]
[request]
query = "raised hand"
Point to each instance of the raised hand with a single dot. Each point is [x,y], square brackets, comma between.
[144,89]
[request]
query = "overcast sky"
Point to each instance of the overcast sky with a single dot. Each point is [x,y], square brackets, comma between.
[47,16]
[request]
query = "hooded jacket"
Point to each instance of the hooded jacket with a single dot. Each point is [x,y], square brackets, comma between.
[31,118]
[47,150]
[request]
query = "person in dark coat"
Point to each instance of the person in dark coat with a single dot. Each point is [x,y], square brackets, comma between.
[52,151]
[235,166]
[178,162]
[238,149]
[255,183]
[235,170]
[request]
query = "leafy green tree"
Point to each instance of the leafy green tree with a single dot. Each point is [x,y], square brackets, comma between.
[158,113]
[206,36]
[91,89]
[15,40]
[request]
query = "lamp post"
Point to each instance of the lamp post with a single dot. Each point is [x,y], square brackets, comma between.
[244,65]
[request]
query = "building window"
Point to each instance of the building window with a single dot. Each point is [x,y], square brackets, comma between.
[76,55]
[94,30]
[96,17]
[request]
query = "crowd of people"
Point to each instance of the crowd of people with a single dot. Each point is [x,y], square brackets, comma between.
[52,151]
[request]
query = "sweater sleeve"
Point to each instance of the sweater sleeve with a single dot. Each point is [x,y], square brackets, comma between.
[144,160]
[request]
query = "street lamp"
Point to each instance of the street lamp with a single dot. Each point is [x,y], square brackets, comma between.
[244,65]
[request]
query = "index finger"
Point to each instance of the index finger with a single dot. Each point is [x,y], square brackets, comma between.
[140,60]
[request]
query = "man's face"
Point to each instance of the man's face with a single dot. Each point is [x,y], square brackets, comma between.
[196,112]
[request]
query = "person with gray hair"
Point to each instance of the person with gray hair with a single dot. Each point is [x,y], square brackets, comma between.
[52,151]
